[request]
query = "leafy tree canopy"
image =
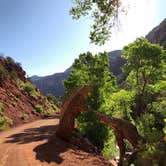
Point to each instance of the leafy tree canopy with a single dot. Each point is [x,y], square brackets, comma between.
[103,12]
[93,71]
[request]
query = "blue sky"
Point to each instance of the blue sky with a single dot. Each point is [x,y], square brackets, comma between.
[43,37]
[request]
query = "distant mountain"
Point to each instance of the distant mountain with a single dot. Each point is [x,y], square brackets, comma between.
[54,83]
[158,34]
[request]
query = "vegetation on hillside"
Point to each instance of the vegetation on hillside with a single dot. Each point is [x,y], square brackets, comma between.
[141,100]
[20,99]
[5,121]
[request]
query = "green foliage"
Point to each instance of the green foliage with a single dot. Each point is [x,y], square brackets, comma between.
[110,149]
[146,67]
[93,71]
[49,112]
[103,12]
[145,64]
[10,60]
[3,73]
[39,108]
[51,98]
[13,75]
[1,107]
[31,90]
[120,104]
[6,72]
[4,120]
[150,127]
[24,116]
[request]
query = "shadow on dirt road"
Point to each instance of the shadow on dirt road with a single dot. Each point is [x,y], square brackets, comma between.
[47,152]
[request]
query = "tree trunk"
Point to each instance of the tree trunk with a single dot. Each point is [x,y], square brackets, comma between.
[75,104]
[123,130]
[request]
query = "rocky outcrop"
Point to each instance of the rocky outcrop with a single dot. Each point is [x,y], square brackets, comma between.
[51,84]
[158,34]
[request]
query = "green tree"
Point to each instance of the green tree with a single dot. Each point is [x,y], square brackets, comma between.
[146,79]
[145,64]
[104,14]
[93,71]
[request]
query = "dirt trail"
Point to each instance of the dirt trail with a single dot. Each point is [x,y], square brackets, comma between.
[33,144]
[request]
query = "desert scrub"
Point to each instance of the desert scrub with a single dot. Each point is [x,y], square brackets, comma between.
[39,108]
[3,73]
[24,117]
[1,107]
[13,75]
[28,87]
[14,103]
[49,112]
[4,120]
[31,90]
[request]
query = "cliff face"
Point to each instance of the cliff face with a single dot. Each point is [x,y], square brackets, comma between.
[20,101]
[51,84]
[158,34]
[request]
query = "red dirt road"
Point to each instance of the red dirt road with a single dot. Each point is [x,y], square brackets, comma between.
[34,144]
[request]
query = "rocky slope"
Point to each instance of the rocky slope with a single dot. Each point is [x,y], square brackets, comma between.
[20,101]
[158,34]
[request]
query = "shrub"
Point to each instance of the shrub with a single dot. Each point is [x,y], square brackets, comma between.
[1,107]
[29,88]
[39,108]
[24,117]
[5,122]
[51,98]
[3,73]
[13,75]
[10,60]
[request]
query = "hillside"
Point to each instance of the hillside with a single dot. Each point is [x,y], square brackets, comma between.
[158,34]
[20,101]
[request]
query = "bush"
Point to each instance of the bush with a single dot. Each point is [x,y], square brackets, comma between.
[1,108]
[13,75]
[3,73]
[5,122]
[24,117]
[39,108]
[51,98]
[29,88]
[10,60]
